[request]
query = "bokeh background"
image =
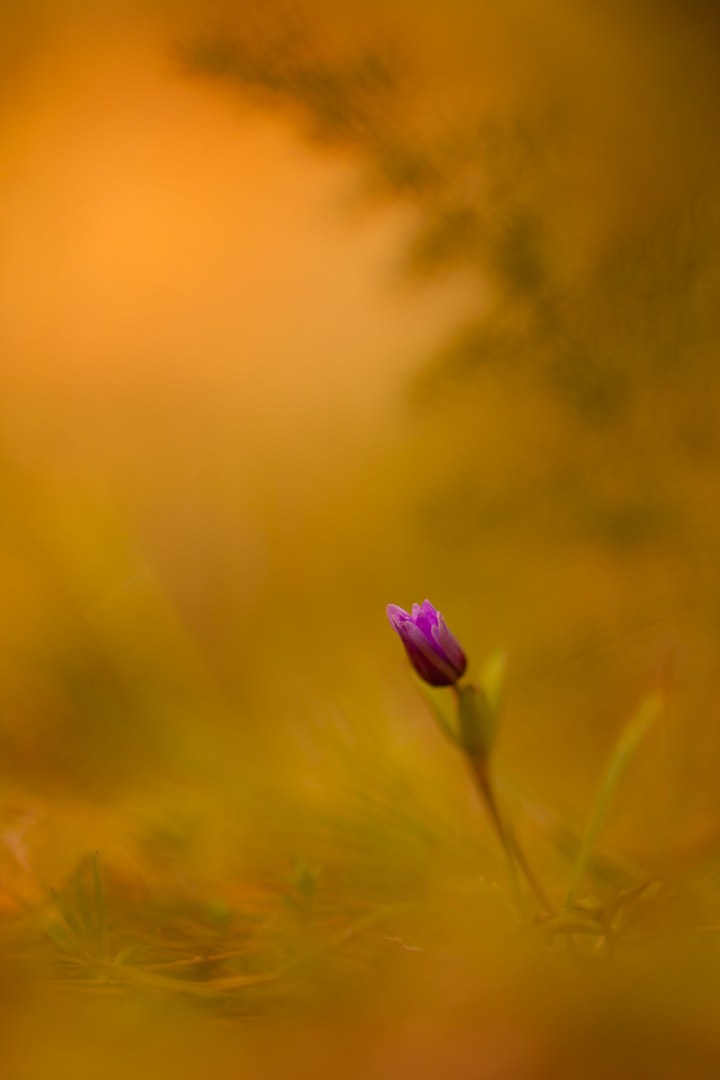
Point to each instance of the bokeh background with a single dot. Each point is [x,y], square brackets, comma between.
[305,309]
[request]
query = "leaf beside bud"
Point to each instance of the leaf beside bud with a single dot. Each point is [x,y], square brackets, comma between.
[477,722]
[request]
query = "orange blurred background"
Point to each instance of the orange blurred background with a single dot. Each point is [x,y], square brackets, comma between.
[263,375]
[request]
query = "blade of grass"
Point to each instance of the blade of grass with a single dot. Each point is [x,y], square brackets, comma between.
[83,906]
[238,982]
[100,909]
[127,953]
[69,917]
[62,937]
[625,749]
[492,677]
[140,978]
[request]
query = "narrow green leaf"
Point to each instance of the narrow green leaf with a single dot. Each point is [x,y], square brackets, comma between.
[140,978]
[62,937]
[83,904]
[492,679]
[625,748]
[127,953]
[68,915]
[100,909]
[237,982]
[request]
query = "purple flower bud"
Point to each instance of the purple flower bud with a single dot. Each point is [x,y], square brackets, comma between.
[432,650]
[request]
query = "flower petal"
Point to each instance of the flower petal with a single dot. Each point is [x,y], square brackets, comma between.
[427,671]
[428,649]
[450,645]
[396,615]
[423,624]
[431,612]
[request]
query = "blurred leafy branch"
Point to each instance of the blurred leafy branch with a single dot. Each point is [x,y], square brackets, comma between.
[626,332]
[583,391]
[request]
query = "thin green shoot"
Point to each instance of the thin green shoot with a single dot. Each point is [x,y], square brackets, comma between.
[100,910]
[625,749]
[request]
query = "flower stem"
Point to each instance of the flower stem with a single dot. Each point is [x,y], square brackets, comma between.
[506,835]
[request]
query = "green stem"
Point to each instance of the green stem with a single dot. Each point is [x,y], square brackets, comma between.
[506,835]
